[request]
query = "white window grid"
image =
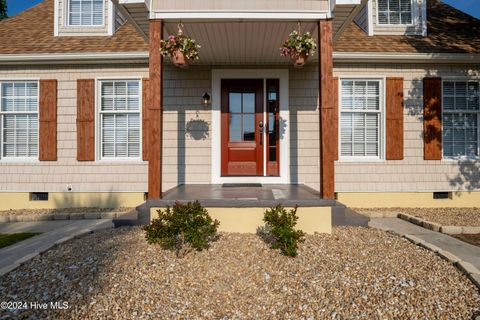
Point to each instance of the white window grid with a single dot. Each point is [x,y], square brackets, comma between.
[400,12]
[115,113]
[88,4]
[380,118]
[31,115]
[471,108]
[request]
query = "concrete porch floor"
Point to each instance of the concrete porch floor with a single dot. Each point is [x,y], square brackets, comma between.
[245,196]
[229,192]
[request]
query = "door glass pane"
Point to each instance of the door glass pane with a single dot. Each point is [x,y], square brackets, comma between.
[249,127]
[249,102]
[272,129]
[272,126]
[235,102]
[235,127]
[242,116]
[272,94]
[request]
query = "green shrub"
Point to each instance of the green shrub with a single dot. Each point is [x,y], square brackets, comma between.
[280,230]
[182,228]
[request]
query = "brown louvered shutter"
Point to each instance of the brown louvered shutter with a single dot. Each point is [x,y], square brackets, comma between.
[432,118]
[335,117]
[394,115]
[86,120]
[48,121]
[145,104]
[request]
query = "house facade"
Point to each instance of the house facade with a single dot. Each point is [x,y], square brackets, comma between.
[385,114]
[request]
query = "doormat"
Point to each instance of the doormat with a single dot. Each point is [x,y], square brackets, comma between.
[241,185]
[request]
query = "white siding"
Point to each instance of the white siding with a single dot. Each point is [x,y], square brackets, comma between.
[51,176]
[362,18]
[119,19]
[413,174]
[188,136]
[245,5]
[304,126]
[187,155]
[186,146]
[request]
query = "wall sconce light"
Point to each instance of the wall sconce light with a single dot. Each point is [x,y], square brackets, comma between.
[206,99]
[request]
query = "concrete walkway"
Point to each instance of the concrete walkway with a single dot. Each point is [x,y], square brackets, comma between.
[462,250]
[53,232]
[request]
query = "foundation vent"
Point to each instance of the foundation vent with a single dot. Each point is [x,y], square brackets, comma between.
[442,195]
[39,196]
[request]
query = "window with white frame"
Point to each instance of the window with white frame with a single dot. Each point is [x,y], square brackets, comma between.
[395,11]
[19,119]
[360,119]
[85,12]
[119,119]
[461,109]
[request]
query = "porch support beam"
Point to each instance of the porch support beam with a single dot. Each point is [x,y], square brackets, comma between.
[155,112]
[326,109]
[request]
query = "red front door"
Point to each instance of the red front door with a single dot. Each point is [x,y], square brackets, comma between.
[242,127]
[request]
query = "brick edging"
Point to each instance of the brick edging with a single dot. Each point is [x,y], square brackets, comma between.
[61,216]
[438,227]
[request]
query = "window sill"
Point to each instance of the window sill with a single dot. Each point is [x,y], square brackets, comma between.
[460,159]
[361,160]
[396,25]
[70,27]
[122,161]
[19,160]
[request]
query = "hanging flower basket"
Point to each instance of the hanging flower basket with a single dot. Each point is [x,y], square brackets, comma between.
[299,47]
[181,49]
[178,59]
[298,58]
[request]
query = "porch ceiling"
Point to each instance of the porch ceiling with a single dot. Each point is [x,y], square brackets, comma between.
[241,43]
[231,36]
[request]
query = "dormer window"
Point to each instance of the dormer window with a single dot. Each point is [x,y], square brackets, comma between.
[395,12]
[86,12]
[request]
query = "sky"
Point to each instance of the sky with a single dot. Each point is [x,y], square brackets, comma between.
[471,7]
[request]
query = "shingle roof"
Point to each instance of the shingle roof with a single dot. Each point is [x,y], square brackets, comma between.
[32,32]
[448,31]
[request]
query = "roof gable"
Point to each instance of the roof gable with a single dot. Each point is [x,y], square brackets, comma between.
[449,31]
[31,32]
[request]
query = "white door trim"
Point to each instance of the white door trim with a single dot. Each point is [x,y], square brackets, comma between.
[217,76]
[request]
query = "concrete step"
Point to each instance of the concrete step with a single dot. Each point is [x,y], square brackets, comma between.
[128,219]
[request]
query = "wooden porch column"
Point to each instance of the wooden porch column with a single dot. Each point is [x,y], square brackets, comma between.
[155,112]
[326,109]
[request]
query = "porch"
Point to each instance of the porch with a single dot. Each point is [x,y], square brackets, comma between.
[244,195]
[265,120]
[240,207]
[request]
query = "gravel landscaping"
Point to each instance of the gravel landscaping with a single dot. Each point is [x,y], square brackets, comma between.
[355,273]
[444,216]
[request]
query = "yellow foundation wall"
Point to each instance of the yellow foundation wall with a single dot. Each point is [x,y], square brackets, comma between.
[11,200]
[247,220]
[408,200]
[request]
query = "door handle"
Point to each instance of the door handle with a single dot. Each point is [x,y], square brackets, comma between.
[260,126]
